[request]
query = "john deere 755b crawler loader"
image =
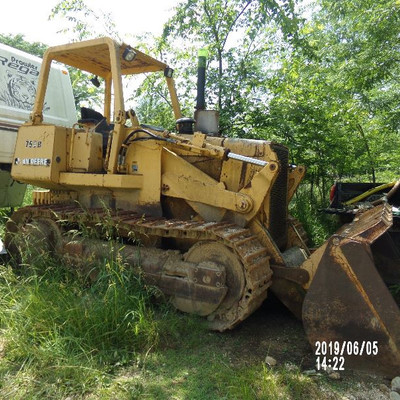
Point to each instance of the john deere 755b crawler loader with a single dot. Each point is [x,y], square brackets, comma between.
[211,214]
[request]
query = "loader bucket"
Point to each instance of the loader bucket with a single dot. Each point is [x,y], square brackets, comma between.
[349,314]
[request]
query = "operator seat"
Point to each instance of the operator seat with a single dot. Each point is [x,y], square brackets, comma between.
[90,116]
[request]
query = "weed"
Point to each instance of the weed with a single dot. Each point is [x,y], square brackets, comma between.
[318,225]
[68,332]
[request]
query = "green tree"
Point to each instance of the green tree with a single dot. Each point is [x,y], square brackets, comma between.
[18,42]
[365,37]
[237,34]
[334,98]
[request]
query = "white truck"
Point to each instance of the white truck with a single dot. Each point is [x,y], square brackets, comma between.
[19,74]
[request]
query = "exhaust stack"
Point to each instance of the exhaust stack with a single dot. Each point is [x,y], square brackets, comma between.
[201,79]
[207,121]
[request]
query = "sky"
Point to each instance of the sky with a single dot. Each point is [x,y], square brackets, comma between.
[132,17]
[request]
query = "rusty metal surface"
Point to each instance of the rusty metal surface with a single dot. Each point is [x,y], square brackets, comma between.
[348,300]
[197,288]
[296,275]
[369,225]
[291,294]
[247,249]
[188,289]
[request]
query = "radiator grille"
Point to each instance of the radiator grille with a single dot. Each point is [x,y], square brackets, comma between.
[278,204]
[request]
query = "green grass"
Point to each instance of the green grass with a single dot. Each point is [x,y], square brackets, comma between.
[210,376]
[62,333]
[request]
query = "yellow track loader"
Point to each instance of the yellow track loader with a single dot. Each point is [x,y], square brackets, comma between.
[210,213]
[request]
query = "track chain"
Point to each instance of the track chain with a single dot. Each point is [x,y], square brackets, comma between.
[253,256]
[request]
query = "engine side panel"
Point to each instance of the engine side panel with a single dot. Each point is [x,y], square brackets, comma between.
[40,155]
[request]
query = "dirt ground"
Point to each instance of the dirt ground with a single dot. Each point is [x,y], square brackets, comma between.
[274,331]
